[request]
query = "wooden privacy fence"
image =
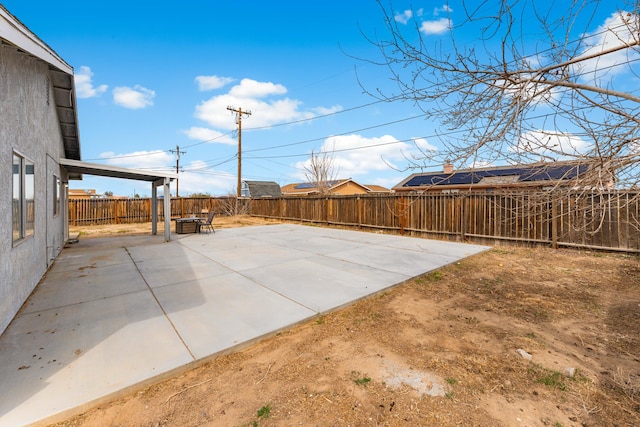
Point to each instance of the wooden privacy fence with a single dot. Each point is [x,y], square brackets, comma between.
[589,220]
[608,220]
[126,211]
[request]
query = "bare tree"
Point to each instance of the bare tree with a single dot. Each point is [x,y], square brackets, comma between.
[321,171]
[536,81]
[232,205]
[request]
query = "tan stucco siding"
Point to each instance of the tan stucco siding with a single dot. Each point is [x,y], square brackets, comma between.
[349,188]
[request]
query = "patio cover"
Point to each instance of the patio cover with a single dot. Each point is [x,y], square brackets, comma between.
[77,167]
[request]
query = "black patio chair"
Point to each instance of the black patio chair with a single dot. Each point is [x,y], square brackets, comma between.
[208,223]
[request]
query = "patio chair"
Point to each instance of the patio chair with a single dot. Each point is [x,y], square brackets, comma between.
[208,223]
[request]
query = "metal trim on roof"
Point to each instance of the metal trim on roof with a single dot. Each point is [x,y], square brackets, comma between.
[16,34]
[79,167]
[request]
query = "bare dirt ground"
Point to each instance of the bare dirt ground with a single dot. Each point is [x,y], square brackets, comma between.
[445,349]
[110,230]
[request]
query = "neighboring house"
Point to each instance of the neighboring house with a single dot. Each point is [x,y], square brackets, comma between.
[340,187]
[537,176]
[84,194]
[79,194]
[38,127]
[258,189]
[377,189]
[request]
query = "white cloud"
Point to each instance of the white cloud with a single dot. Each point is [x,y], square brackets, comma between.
[84,85]
[527,90]
[445,8]
[261,99]
[249,88]
[355,155]
[212,82]
[386,182]
[424,145]
[195,177]
[551,145]
[616,31]
[479,164]
[133,98]
[404,17]
[209,135]
[323,111]
[435,27]
[199,178]
[154,160]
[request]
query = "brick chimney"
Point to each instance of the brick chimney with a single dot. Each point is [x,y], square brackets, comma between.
[448,168]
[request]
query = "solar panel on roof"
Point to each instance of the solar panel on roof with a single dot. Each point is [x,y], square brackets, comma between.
[526,174]
[305,185]
[554,173]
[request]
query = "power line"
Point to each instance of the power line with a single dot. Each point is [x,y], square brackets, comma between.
[338,134]
[333,113]
[253,128]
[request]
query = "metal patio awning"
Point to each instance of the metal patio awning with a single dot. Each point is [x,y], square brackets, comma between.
[80,167]
[76,168]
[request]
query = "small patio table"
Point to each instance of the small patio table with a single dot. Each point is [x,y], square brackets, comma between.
[187,225]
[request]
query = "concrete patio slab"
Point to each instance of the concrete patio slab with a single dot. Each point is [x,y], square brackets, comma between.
[61,358]
[92,259]
[69,287]
[232,310]
[112,314]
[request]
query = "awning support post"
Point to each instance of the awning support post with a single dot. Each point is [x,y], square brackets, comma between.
[154,208]
[166,183]
[167,209]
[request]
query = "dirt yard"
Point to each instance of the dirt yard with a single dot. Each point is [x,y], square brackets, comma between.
[511,337]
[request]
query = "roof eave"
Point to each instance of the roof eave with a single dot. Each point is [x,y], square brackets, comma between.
[17,34]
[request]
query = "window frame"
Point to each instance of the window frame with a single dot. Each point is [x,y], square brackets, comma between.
[23,215]
[57,189]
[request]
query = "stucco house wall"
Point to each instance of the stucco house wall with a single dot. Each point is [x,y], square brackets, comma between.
[349,188]
[29,126]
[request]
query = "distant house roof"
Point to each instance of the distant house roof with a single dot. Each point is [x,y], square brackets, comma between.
[338,186]
[262,189]
[378,188]
[304,188]
[16,34]
[496,177]
[83,194]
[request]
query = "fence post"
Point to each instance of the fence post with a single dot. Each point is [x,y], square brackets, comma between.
[554,220]
[117,212]
[401,211]
[463,219]
[73,212]
[359,208]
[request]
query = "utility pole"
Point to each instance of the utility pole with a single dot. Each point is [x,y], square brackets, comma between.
[177,152]
[239,114]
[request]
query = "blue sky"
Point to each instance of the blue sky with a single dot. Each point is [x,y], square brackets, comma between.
[151,76]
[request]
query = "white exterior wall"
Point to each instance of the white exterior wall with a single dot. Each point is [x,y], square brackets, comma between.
[28,125]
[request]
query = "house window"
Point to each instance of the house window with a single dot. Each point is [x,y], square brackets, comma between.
[56,195]
[23,203]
